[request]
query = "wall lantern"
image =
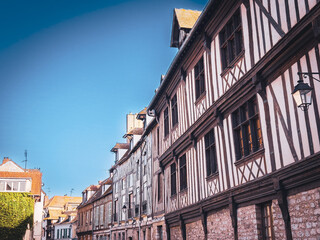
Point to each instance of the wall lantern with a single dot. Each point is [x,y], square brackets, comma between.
[302,92]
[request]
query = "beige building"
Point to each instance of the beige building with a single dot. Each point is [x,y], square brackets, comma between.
[60,217]
[14,178]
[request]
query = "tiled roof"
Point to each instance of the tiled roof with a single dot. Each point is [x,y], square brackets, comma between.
[34,174]
[135,131]
[55,214]
[186,18]
[120,146]
[60,201]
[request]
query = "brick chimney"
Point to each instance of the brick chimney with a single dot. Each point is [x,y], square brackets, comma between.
[6,159]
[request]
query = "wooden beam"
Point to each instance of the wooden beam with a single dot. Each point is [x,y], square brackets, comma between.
[283,204]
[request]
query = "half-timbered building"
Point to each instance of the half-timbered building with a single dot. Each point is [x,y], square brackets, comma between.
[237,158]
[131,174]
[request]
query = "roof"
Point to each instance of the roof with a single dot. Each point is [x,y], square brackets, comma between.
[186,18]
[61,201]
[120,146]
[142,114]
[135,131]
[9,169]
[92,188]
[55,214]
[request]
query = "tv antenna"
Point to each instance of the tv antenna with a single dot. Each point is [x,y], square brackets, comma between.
[26,159]
[71,191]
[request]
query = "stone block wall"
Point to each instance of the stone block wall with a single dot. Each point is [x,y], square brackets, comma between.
[175,233]
[219,225]
[247,223]
[304,210]
[278,223]
[194,231]
[155,234]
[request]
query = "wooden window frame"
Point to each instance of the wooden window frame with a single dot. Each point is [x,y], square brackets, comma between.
[199,77]
[158,141]
[173,179]
[231,40]
[183,172]
[166,122]
[211,155]
[159,187]
[267,226]
[247,129]
[174,111]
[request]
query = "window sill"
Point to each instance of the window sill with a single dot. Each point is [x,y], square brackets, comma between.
[174,127]
[212,176]
[199,99]
[183,191]
[255,154]
[231,65]
[173,196]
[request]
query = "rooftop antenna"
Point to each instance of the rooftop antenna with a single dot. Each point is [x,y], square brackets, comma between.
[71,191]
[26,159]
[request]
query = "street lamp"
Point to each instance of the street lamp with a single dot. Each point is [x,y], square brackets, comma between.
[302,92]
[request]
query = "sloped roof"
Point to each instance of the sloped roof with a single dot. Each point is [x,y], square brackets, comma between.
[54,214]
[9,169]
[135,131]
[120,146]
[60,201]
[186,18]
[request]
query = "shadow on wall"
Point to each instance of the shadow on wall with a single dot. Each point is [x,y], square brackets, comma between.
[16,215]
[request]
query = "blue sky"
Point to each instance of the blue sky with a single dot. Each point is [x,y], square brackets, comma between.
[70,72]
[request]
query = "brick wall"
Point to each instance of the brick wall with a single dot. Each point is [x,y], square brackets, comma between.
[175,233]
[219,225]
[304,209]
[194,230]
[247,223]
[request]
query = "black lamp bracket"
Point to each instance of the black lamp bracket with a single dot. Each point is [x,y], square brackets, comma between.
[309,74]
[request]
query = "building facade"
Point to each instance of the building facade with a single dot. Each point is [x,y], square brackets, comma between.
[238,158]
[13,178]
[131,173]
[59,220]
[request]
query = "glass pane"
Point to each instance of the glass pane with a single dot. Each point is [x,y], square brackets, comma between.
[15,186]
[2,186]
[9,186]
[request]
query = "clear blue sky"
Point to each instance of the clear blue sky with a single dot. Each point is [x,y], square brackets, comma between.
[70,72]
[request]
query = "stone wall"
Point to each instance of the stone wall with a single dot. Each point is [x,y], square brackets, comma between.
[219,225]
[194,230]
[304,210]
[278,223]
[175,233]
[247,223]
[155,234]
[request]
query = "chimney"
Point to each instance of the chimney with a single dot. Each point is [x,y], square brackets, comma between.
[6,159]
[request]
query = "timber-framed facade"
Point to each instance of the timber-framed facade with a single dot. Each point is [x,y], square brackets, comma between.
[225,105]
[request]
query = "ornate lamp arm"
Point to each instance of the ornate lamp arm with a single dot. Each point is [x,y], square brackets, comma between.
[309,74]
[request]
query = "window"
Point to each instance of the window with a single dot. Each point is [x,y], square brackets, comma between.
[173,179]
[211,158]
[183,173]
[247,129]
[13,185]
[231,40]
[267,222]
[174,110]
[199,78]
[159,187]
[159,229]
[166,122]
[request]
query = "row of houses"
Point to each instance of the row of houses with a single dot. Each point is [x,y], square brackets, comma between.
[227,148]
